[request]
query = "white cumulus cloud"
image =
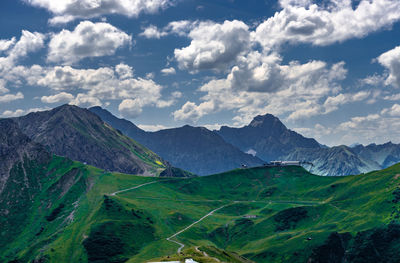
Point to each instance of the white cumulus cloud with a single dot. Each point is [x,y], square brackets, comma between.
[60,97]
[391,61]
[180,28]
[213,45]
[87,40]
[326,23]
[11,97]
[68,10]
[168,71]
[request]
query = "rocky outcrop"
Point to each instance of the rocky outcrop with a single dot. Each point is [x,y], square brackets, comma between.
[267,137]
[17,148]
[80,135]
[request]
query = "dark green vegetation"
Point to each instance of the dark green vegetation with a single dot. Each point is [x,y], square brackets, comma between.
[267,215]
[376,245]
[175,172]
[288,218]
[206,254]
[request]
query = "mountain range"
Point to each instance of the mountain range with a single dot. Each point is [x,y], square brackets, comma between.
[195,149]
[203,152]
[57,206]
[82,136]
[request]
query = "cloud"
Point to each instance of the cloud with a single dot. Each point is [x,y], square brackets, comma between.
[327,23]
[392,97]
[191,112]
[168,71]
[391,61]
[124,71]
[180,28]
[152,32]
[85,101]
[87,40]
[130,108]
[152,128]
[60,97]
[10,114]
[5,44]
[65,11]
[318,131]
[28,42]
[372,127]
[219,46]
[3,88]
[378,127]
[373,80]
[94,86]
[213,46]
[394,111]
[20,112]
[11,97]
[16,50]
[262,84]
[333,103]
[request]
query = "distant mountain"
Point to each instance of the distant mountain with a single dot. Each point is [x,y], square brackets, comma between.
[194,149]
[127,127]
[80,135]
[198,150]
[384,154]
[334,161]
[268,137]
[344,160]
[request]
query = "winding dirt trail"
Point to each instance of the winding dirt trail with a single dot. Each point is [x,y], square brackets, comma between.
[181,245]
[132,188]
[190,226]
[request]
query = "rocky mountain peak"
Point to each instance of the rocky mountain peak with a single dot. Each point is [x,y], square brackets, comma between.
[267,120]
[81,135]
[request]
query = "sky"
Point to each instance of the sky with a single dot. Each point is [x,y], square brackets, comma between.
[329,69]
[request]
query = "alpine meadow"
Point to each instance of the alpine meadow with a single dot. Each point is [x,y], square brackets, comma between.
[199,131]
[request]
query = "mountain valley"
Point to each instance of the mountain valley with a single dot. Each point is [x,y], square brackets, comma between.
[56,207]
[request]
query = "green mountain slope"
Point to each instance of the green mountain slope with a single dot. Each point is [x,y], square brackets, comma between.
[262,214]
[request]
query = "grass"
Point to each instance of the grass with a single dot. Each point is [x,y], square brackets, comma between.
[278,214]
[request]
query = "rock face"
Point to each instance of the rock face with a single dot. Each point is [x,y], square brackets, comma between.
[385,155]
[334,161]
[194,149]
[17,148]
[23,166]
[267,137]
[80,135]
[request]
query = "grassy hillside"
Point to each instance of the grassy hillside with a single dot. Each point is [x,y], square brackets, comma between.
[263,214]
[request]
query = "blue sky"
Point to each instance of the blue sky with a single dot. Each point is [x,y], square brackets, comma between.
[328,69]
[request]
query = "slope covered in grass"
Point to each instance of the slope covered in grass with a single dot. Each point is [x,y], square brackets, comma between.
[281,214]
